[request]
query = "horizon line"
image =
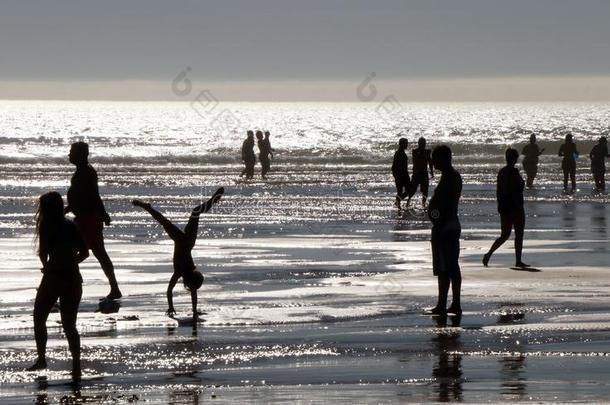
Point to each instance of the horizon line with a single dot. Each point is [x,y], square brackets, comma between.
[368,90]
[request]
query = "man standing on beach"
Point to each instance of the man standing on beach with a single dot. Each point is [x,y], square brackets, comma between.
[421,161]
[446,231]
[248,156]
[89,213]
[598,156]
[400,171]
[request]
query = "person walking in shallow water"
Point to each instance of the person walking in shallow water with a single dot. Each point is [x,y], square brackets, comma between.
[531,153]
[446,231]
[184,242]
[264,149]
[60,249]
[421,161]
[89,212]
[569,153]
[266,154]
[598,156]
[400,171]
[248,156]
[509,193]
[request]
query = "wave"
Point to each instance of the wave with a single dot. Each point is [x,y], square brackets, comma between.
[381,154]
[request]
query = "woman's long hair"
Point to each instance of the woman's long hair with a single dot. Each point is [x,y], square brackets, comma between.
[49,216]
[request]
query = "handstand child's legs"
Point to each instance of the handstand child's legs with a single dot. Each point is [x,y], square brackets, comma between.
[172,230]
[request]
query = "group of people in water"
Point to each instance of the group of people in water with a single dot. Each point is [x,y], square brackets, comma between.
[63,243]
[406,186]
[265,153]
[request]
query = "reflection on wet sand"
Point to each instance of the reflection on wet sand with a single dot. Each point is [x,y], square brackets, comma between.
[447,372]
[512,379]
[598,220]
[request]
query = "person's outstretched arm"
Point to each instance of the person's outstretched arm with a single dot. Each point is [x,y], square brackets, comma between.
[431,165]
[170,298]
[194,303]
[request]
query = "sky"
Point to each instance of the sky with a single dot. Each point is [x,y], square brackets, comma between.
[274,49]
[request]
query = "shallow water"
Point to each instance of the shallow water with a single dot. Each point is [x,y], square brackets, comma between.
[314,284]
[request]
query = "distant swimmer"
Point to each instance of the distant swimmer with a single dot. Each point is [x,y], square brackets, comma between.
[60,248]
[598,156]
[531,152]
[509,193]
[184,242]
[248,156]
[446,231]
[422,160]
[569,153]
[400,171]
[90,215]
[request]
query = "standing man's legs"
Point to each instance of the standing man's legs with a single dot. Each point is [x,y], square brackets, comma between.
[102,257]
[92,230]
[565,178]
[425,184]
[402,189]
[573,177]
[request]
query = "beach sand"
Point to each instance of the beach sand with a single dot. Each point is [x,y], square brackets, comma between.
[313,298]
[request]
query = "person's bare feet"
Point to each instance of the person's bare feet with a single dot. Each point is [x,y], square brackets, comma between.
[435,311]
[141,204]
[486,258]
[522,265]
[40,364]
[455,310]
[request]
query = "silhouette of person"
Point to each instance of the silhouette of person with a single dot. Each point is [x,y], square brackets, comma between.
[266,154]
[446,230]
[531,152]
[184,241]
[509,193]
[264,148]
[60,249]
[400,171]
[569,153]
[248,156]
[89,213]
[421,162]
[598,156]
